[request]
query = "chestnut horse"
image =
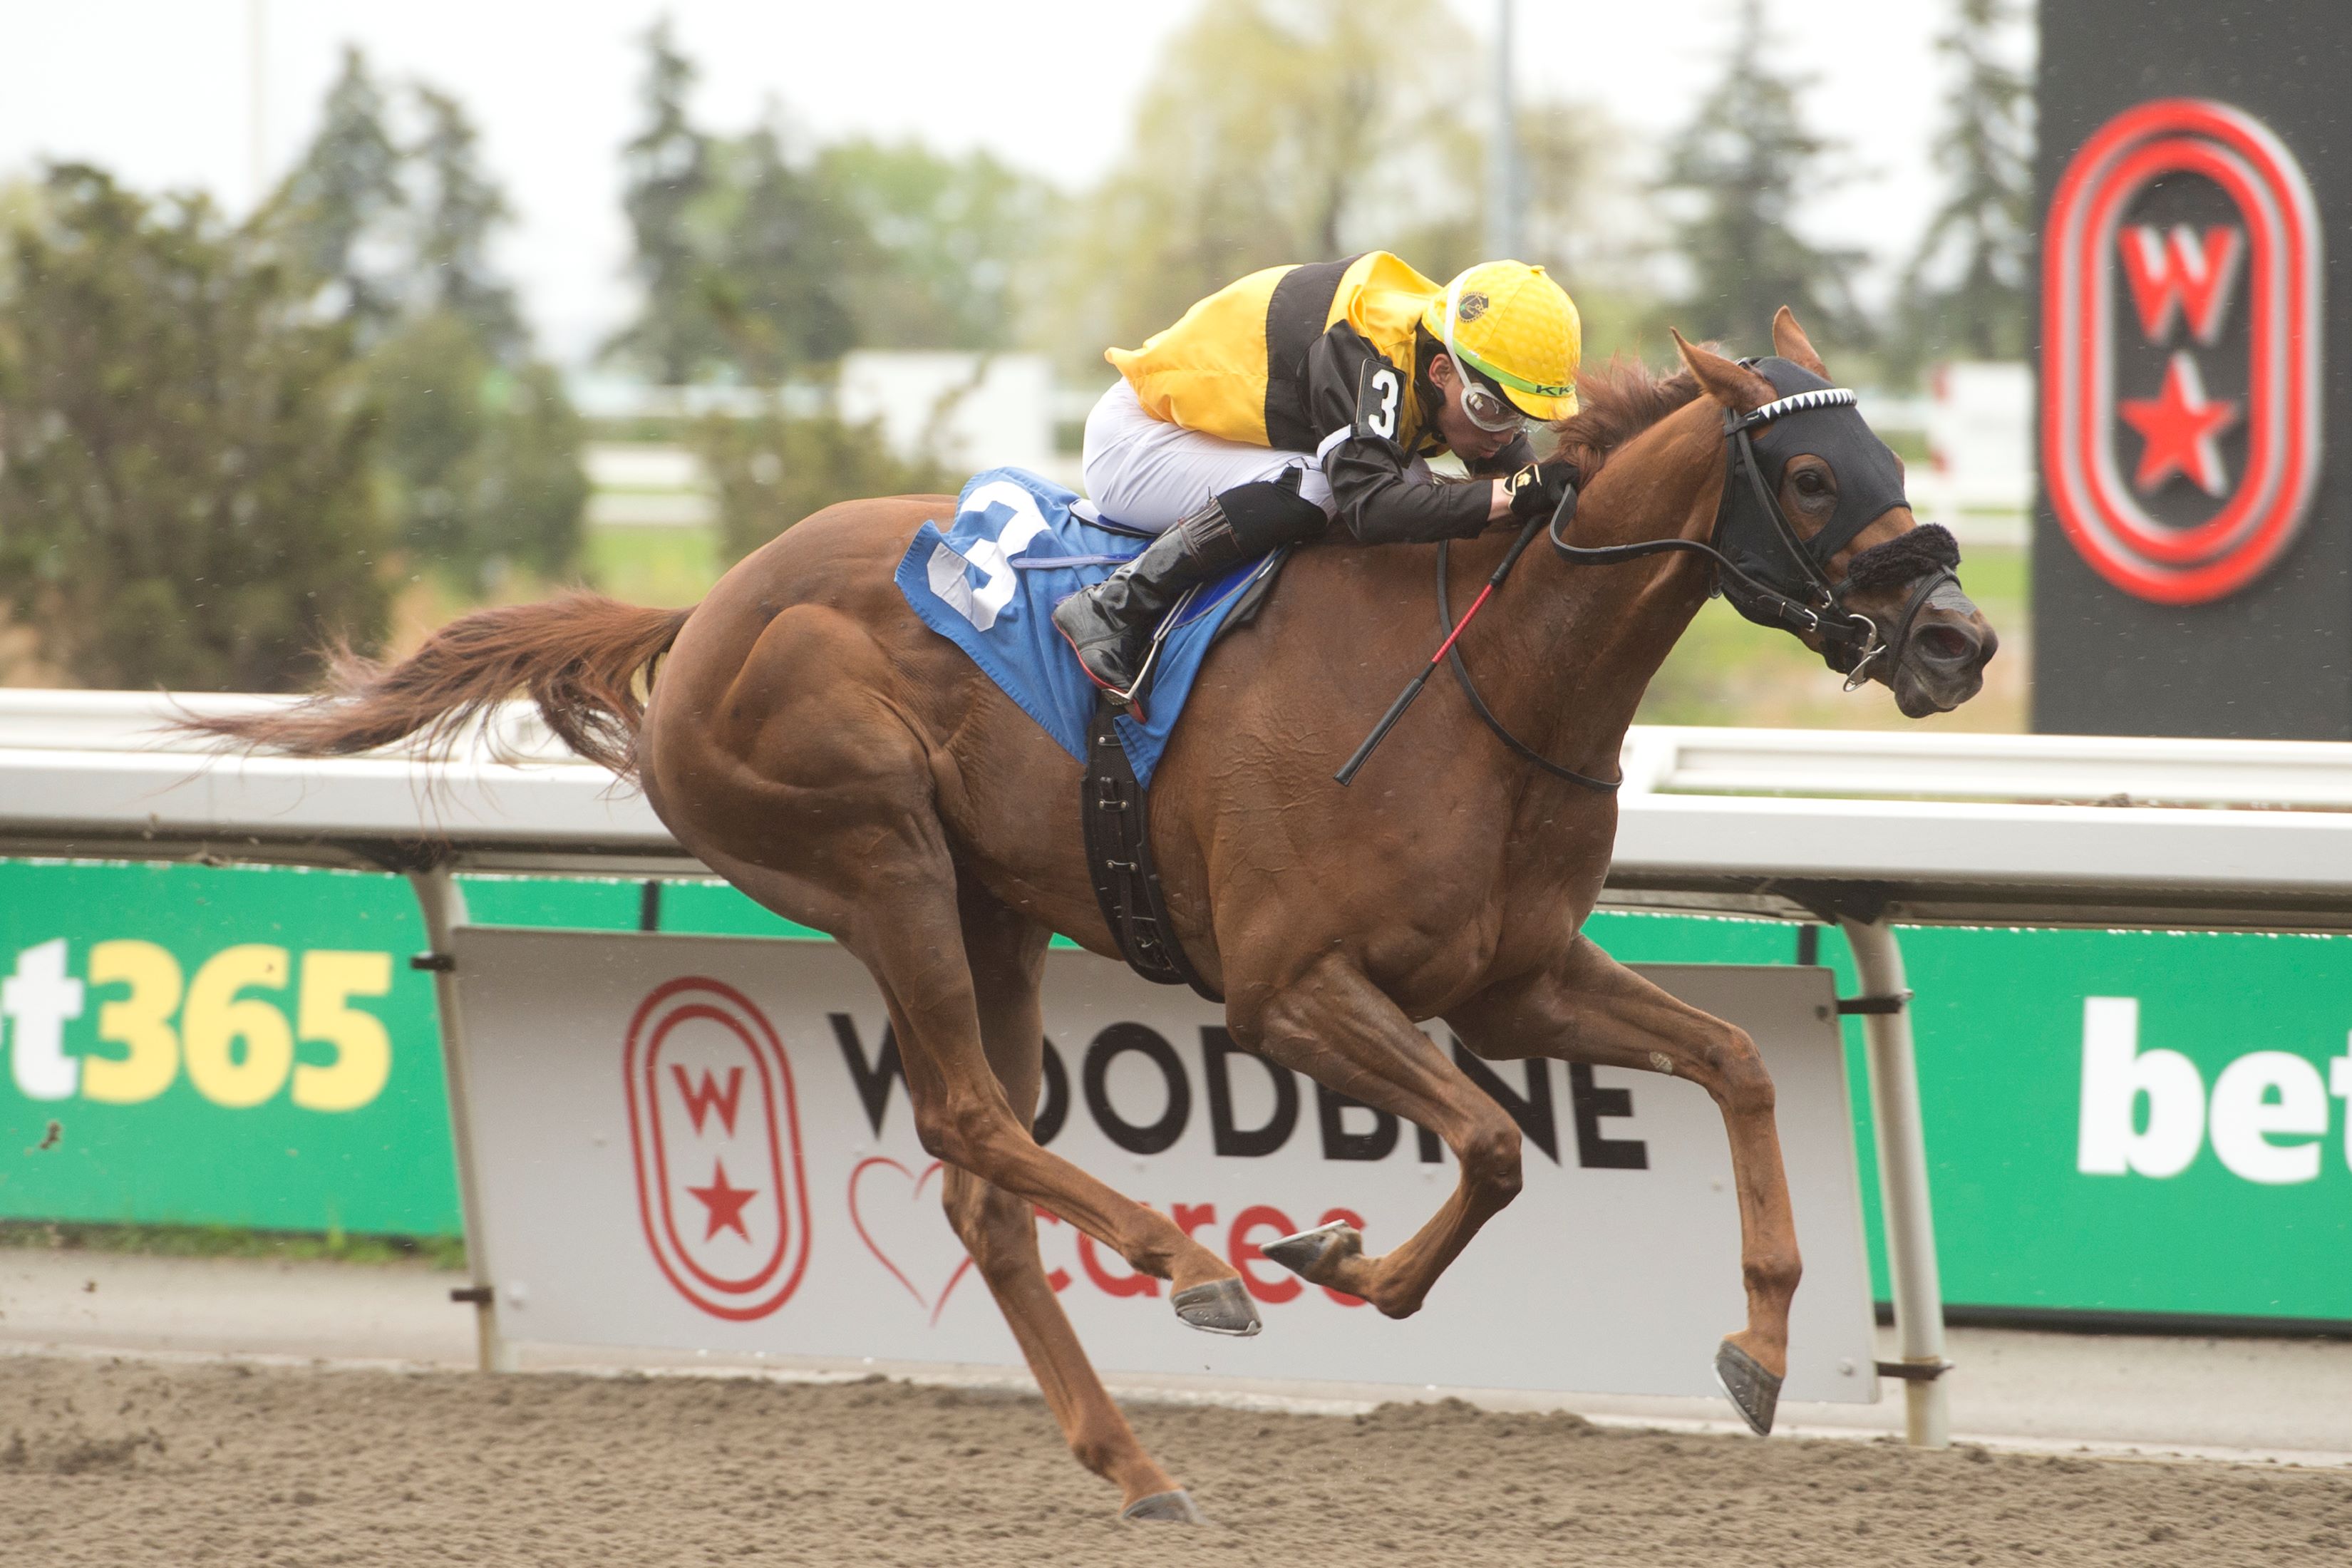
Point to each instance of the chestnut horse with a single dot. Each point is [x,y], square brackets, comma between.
[810,740]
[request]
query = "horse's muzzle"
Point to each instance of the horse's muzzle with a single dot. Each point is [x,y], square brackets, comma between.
[1942,661]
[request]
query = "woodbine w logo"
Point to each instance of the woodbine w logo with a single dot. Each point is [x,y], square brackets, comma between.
[714,1129]
[2181,349]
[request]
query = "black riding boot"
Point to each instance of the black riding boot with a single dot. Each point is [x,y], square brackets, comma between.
[1109,625]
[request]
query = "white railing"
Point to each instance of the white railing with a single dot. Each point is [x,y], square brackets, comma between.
[1926,764]
[1887,764]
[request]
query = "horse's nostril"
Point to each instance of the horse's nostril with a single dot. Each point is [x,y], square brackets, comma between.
[1945,643]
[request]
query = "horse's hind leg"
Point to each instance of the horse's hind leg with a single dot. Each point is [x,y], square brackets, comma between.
[1337,1028]
[839,827]
[1590,1008]
[1000,1230]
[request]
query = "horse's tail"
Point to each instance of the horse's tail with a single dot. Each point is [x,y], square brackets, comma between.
[578,658]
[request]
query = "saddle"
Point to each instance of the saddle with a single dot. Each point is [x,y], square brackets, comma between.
[988,581]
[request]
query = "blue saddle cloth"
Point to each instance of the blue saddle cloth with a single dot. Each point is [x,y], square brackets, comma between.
[989,584]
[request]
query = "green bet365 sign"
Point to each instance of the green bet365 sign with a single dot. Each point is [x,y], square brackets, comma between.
[218,1047]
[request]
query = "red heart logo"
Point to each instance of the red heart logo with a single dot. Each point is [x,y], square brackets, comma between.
[906,1237]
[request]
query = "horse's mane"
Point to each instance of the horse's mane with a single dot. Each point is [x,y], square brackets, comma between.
[1618,401]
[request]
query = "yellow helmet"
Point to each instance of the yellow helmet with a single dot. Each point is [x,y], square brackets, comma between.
[1512,324]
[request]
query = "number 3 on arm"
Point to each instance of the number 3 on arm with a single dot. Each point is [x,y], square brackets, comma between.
[1376,401]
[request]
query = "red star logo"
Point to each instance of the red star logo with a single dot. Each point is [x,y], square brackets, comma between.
[2180,425]
[725,1204]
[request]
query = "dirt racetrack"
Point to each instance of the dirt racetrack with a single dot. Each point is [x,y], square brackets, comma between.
[128,1464]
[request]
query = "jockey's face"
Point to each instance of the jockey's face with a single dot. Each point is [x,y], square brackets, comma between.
[1462,436]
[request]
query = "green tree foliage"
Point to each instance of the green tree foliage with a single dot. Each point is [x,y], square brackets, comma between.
[744,259]
[334,210]
[756,263]
[774,470]
[1285,131]
[1965,292]
[481,459]
[666,171]
[1742,167]
[184,450]
[1282,130]
[777,284]
[480,463]
[457,211]
[946,240]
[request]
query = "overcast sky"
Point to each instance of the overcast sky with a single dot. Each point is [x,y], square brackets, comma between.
[164,92]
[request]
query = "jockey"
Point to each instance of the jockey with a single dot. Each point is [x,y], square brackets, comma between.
[1302,393]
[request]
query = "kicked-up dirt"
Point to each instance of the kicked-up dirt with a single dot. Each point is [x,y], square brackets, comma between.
[128,1464]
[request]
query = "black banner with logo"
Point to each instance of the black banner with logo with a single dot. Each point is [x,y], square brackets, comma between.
[2192,548]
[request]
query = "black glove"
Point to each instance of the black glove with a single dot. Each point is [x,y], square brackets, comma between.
[1538,490]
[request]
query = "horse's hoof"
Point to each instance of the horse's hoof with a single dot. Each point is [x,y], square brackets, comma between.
[1219,1307]
[1754,1390]
[1166,1508]
[1309,1250]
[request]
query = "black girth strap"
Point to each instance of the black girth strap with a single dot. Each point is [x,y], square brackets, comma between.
[1478,703]
[1116,813]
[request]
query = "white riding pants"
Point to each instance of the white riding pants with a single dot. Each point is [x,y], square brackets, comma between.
[1150,474]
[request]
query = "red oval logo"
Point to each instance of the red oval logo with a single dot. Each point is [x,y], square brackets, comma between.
[2191,406]
[715,1132]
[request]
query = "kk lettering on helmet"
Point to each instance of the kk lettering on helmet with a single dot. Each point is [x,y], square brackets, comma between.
[2181,349]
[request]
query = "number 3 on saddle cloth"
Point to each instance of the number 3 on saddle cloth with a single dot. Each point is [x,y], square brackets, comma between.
[1018,545]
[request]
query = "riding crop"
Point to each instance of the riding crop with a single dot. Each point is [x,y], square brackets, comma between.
[1563,513]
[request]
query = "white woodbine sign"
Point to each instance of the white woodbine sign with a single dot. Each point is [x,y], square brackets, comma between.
[706,1143]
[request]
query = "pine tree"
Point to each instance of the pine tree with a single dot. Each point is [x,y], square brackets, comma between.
[479,460]
[482,450]
[668,169]
[1965,289]
[460,207]
[779,292]
[335,209]
[1747,160]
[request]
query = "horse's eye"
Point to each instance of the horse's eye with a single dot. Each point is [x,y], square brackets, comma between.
[1811,482]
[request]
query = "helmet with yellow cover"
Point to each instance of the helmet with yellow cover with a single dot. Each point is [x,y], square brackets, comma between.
[1516,328]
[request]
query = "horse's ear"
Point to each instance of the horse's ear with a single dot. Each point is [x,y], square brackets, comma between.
[1728,382]
[1789,340]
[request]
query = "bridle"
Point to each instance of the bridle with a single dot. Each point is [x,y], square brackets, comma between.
[1750,520]
[1790,587]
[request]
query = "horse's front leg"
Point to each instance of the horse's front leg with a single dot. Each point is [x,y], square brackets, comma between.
[1334,1025]
[1590,1008]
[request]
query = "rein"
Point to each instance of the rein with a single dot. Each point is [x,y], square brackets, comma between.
[1850,640]
[1822,611]
[1478,703]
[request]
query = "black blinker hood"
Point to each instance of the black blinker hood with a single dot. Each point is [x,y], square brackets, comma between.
[1763,568]
[1869,480]
[1774,577]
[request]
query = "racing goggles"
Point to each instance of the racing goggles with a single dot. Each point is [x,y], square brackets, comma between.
[1488,409]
